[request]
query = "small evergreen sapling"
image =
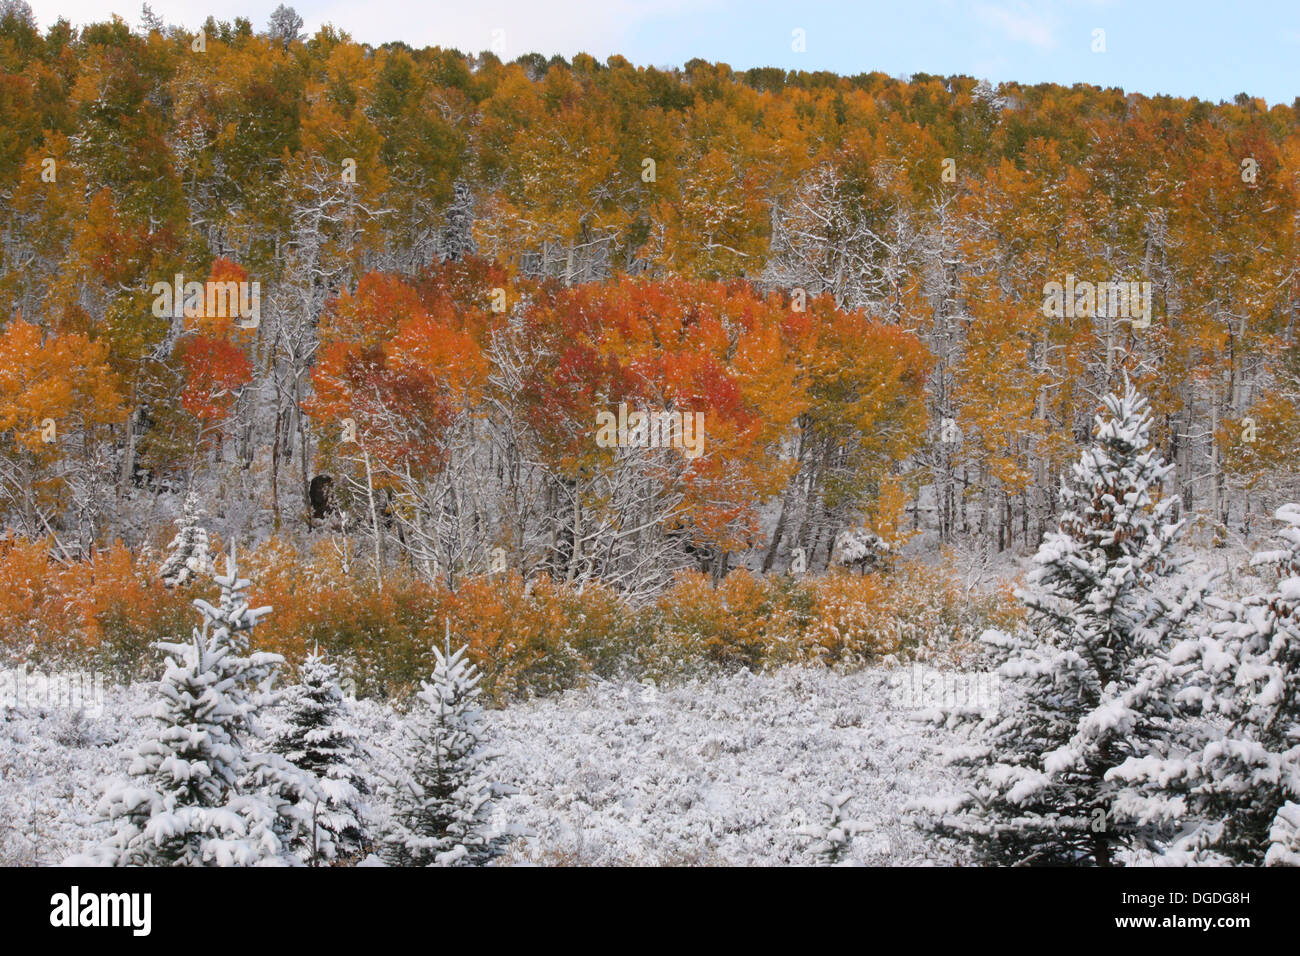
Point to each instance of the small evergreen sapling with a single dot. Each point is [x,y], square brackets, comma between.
[186,803]
[197,795]
[319,740]
[440,803]
[188,556]
[831,839]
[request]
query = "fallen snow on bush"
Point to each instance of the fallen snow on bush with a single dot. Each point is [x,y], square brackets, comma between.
[722,771]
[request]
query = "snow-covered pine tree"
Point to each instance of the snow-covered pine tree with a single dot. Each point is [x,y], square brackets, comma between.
[232,611]
[197,796]
[441,801]
[318,739]
[292,792]
[832,838]
[456,238]
[1238,783]
[188,555]
[1090,681]
[1284,837]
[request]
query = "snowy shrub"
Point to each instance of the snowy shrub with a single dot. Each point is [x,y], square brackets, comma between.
[861,550]
[915,611]
[720,771]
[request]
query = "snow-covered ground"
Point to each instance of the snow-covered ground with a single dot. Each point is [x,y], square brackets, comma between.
[722,771]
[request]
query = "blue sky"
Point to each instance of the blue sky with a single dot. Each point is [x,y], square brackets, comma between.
[1213,50]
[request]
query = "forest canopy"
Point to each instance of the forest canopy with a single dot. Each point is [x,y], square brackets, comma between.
[459,263]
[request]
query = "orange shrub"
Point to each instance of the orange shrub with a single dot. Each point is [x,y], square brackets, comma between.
[852,620]
[382,636]
[34,604]
[528,638]
[109,607]
[916,611]
[519,637]
[745,621]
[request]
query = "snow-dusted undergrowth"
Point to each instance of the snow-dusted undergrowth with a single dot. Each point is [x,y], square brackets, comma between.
[724,771]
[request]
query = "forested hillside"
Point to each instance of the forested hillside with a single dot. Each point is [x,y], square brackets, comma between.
[465,462]
[447,267]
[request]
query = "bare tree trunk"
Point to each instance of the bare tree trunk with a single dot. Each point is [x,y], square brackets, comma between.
[304,451]
[776,534]
[374,522]
[275,467]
